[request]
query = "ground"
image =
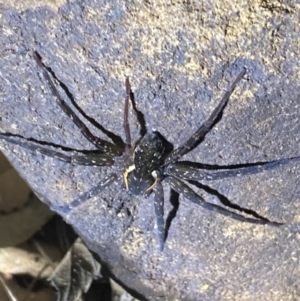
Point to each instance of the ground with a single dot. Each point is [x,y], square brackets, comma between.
[180,57]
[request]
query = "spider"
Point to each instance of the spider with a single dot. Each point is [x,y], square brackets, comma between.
[150,162]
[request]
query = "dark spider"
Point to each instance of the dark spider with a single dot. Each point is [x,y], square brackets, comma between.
[150,162]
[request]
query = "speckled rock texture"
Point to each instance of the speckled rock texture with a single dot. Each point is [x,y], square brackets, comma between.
[180,57]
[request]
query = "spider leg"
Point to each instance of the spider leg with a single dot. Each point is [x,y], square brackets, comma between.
[115,138]
[192,196]
[139,114]
[101,144]
[195,174]
[126,111]
[87,195]
[205,127]
[78,158]
[174,201]
[159,213]
[224,200]
[91,159]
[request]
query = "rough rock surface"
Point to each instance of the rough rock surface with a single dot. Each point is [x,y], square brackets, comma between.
[180,56]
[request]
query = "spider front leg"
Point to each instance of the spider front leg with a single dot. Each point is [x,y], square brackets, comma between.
[101,144]
[198,136]
[189,173]
[192,196]
[126,113]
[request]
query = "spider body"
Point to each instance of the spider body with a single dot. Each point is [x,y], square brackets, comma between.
[148,157]
[149,154]
[151,162]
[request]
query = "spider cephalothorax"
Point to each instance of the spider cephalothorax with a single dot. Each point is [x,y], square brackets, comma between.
[148,157]
[151,162]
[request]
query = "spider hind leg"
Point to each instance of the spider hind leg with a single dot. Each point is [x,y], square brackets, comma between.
[86,195]
[189,194]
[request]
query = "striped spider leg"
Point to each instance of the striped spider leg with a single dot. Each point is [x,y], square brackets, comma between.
[108,150]
[180,171]
[173,172]
[103,156]
[162,174]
